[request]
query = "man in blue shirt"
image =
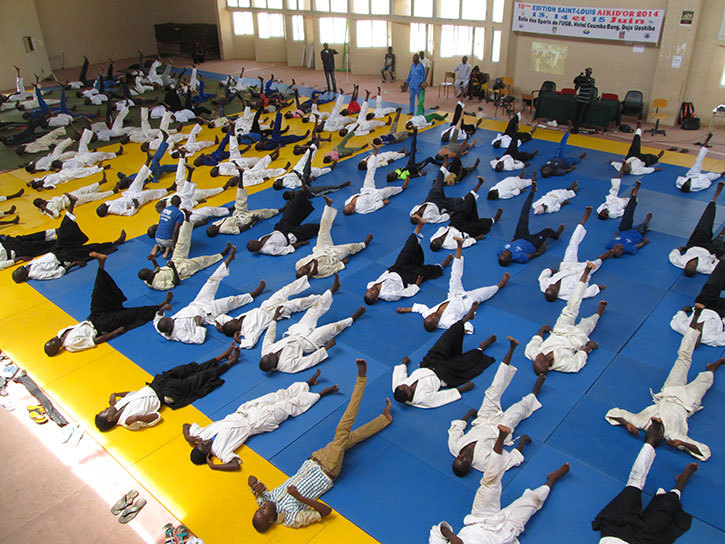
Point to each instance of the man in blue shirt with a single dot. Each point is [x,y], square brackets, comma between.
[525,246]
[170,222]
[631,237]
[415,79]
[561,164]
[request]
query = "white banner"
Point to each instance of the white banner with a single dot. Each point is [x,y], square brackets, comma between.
[632,25]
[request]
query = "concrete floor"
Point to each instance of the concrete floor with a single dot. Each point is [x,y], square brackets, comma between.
[54,492]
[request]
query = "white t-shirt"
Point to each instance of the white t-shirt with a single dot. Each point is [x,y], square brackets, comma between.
[139,403]
[80,336]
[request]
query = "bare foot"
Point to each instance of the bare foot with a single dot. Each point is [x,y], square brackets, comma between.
[335,284]
[553,477]
[362,367]
[712,367]
[512,341]
[488,341]
[329,390]
[655,432]
[368,239]
[313,379]
[386,411]
[504,280]
[540,379]
[358,313]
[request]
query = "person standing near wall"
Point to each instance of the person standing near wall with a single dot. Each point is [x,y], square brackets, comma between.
[425,61]
[584,83]
[389,65]
[415,80]
[328,65]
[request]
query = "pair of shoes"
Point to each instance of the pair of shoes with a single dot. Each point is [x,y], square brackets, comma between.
[37,414]
[127,507]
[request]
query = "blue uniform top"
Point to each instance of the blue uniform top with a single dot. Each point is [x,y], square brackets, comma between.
[559,165]
[167,220]
[416,76]
[520,250]
[629,240]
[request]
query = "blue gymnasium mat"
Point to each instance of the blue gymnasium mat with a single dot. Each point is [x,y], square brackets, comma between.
[408,463]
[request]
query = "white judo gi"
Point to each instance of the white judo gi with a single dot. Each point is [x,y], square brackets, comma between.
[459,300]
[676,401]
[304,337]
[328,255]
[206,306]
[567,338]
[570,269]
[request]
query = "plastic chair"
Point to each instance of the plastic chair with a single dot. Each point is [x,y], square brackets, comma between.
[632,104]
[610,96]
[568,90]
[658,103]
[447,84]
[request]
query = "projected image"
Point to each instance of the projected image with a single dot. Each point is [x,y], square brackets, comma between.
[548,58]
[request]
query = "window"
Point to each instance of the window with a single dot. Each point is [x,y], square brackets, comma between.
[449,9]
[722,79]
[298,28]
[456,40]
[379,7]
[297,4]
[417,37]
[238,3]
[402,7]
[496,46]
[270,25]
[361,6]
[243,23]
[339,6]
[479,38]
[497,14]
[267,4]
[333,29]
[474,9]
[423,8]
[372,33]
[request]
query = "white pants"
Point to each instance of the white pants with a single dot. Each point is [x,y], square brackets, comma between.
[491,412]
[329,255]
[455,285]
[185,266]
[214,307]
[242,216]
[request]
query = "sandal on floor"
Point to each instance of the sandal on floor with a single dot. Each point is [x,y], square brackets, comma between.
[124,502]
[38,416]
[129,513]
[36,407]
[181,534]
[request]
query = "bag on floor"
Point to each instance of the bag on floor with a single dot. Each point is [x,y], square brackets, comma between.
[691,123]
[686,110]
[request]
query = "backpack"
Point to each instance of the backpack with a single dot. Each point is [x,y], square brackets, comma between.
[686,110]
[498,84]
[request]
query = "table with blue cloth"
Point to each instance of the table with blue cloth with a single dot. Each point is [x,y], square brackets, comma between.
[601,113]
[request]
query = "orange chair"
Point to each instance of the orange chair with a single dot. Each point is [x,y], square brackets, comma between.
[610,96]
[658,103]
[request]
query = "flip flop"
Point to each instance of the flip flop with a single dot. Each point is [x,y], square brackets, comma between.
[124,502]
[36,407]
[129,513]
[181,534]
[39,417]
